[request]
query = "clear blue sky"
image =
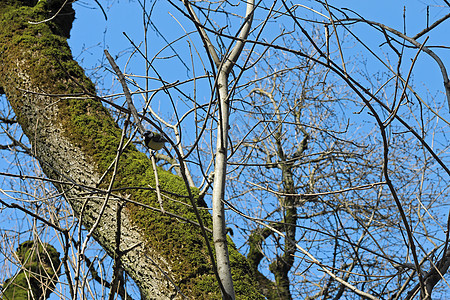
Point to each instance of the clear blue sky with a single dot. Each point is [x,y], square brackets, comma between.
[91,33]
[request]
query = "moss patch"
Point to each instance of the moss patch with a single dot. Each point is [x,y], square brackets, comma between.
[37,276]
[48,63]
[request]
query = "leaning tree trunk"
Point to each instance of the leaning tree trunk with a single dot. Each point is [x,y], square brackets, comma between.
[76,142]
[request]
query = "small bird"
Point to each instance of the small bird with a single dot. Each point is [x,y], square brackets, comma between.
[154,140]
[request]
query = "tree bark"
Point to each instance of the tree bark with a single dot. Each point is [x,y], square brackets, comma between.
[76,141]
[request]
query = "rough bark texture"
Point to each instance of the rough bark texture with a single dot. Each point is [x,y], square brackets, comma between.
[75,139]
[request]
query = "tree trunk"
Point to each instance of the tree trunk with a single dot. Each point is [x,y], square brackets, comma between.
[76,141]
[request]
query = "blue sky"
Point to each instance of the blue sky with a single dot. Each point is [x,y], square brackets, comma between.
[91,33]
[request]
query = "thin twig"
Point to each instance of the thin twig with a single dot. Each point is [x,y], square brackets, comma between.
[137,121]
[431,27]
[356,188]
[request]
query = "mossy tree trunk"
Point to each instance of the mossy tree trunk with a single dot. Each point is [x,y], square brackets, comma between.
[76,141]
[38,275]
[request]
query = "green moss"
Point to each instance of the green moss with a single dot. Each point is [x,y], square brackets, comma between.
[37,274]
[90,127]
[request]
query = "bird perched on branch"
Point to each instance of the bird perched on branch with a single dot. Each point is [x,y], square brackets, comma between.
[154,140]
